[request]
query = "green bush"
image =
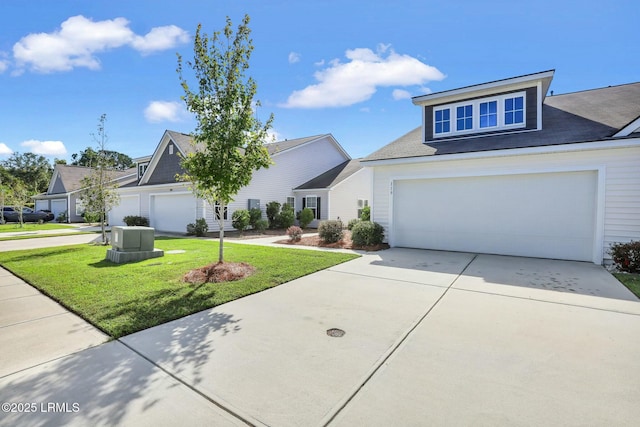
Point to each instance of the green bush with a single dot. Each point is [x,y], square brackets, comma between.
[91,216]
[273,214]
[255,214]
[133,220]
[626,256]
[365,215]
[295,233]
[287,216]
[62,217]
[261,225]
[367,233]
[306,217]
[351,223]
[199,229]
[330,231]
[240,219]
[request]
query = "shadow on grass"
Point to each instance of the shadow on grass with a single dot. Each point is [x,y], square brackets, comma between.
[113,385]
[17,257]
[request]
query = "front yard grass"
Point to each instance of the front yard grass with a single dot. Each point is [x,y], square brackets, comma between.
[124,298]
[631,281]
[15,227]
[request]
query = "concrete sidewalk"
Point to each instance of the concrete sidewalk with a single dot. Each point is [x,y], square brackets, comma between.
[431,338]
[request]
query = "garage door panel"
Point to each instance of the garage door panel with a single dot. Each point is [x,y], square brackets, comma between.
[543,215]
[173,212]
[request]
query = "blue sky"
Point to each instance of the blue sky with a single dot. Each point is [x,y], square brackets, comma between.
[343,67]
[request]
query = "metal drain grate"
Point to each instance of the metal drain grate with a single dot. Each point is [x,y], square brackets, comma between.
[335,332]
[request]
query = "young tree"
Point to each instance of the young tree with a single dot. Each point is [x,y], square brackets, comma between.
[18,196]
[99,188]
[228,140]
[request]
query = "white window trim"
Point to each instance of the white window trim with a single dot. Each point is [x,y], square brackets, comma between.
[294,202]
[476,115]
[315,208]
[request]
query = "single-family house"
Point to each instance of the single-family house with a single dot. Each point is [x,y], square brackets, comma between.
[171,205]
[65,188]
[505,168]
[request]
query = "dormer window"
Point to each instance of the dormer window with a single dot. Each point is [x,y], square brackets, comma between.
[142,167]
[501,112]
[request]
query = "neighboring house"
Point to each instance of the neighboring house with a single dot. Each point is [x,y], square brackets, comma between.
[170,205]
[504,168]
[65,188]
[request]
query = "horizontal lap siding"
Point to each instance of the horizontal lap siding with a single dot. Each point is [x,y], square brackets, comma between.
[621,188]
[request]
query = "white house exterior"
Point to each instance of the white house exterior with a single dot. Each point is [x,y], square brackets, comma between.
[559,179]
[170,205]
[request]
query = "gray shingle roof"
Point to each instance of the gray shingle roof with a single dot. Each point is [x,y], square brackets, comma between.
[586,116]
[333,176]
[71,177]
[184,142]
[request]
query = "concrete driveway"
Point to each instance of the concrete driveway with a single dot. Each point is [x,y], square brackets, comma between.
[431,338]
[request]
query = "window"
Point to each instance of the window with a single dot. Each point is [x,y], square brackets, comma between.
[170,148]
[313,203]
[442,122]
[79,207]
[142,167]
[464,117]
[514,110]
[499,112]
[291,201]
[216,209]
[488,114]
[361,204]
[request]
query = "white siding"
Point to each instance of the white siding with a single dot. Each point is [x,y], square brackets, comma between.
[618,174]
[343,198]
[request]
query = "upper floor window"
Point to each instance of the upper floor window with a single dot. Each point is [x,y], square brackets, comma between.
[488,114]
[442,121]
[142,168]
[492,113]
[514,110]
[464,117]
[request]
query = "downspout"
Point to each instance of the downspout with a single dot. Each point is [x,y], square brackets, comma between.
[68,208]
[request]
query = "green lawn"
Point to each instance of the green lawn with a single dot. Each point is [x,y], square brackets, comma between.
[15,227]
[124,298]
[39,236]
[631,281]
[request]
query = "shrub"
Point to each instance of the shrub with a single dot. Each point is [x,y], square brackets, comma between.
[367,233]
[199,229]
[351,223]
[287,216]
[365,215]
[330,231]
[306,217]
[91,216]
[273,214]
[240,219]
[62,217]
[295,233]
[626,256]
[261,225]
[255,214]
[132,220]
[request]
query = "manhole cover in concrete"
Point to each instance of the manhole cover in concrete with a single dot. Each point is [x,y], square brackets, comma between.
[335,332]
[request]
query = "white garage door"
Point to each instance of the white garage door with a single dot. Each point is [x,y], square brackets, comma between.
[173,212]
[550,215]
[58,206]
[129,205]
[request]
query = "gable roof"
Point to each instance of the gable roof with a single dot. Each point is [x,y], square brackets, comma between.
[333,176]
[586,116]
[68,178]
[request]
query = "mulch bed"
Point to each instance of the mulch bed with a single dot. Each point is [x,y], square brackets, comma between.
[219,272]
[345,243]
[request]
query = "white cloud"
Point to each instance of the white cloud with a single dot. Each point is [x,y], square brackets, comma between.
[344,84]
[273,136]
[400,94]
[294,57]
[4,64]
[45,148]
[5,150]
[319,63]
[79,39]
[165,111]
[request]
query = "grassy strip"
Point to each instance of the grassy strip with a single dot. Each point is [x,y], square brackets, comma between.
[38,236]
[631,281]
[124,298]
[13,227]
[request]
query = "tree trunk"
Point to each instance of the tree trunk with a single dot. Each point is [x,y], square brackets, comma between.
[221,228]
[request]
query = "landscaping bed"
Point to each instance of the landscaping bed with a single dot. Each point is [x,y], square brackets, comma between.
[344,243]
